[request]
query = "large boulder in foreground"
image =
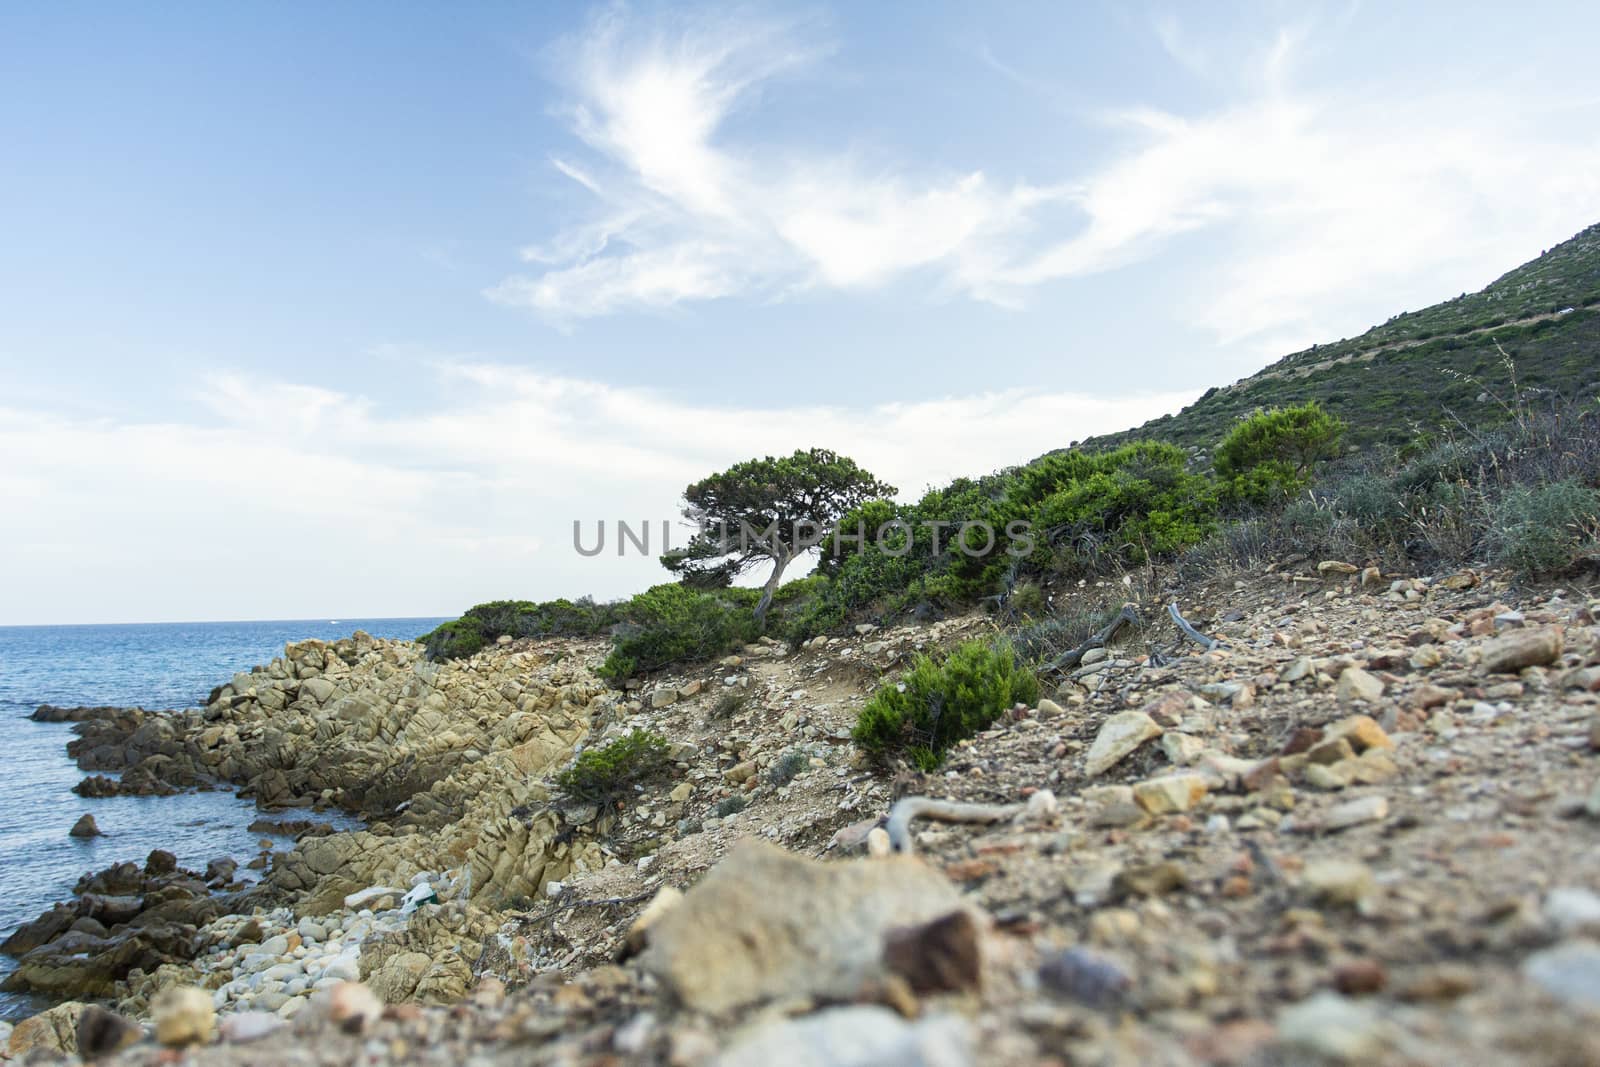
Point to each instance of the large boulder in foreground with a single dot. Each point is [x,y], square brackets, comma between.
[767,924]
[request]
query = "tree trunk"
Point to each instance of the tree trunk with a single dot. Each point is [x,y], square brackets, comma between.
[779,562]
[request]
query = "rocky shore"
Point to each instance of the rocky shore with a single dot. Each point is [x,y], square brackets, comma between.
[1361,830]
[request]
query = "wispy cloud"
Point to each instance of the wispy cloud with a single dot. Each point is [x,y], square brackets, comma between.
[1319,197]
[296,498]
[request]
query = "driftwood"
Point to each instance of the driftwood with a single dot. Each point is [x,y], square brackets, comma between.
[1208,643]
[1068,660]
[908,809]
[1040,807]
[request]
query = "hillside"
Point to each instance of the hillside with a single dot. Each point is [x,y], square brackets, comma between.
[1412,372]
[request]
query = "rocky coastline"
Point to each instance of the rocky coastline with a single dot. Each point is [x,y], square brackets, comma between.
[1359,831]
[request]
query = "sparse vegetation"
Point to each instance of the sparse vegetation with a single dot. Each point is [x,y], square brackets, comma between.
[601,775]
[939,702]
[787,766]
[730,806]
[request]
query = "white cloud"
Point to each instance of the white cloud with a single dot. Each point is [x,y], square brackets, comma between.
[1323,201]
[295,499]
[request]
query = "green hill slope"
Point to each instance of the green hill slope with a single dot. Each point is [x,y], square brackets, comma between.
[1416,370]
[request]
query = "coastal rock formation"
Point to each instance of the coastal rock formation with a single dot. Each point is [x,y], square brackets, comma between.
[124,918]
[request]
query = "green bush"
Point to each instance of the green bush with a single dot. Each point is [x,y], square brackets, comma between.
[483,623]
[676,624]
[937,703]
[601,775]
[1540,530]
[1268,457]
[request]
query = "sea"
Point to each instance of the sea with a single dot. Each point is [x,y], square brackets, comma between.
[157,666]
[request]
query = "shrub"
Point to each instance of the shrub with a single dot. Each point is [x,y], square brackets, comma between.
[1269,455]
[1539,530]
[674,624]
[727,706]
[1027,601]
[935,704]
[604,774]
[787,766]
[483,623]
[730,806]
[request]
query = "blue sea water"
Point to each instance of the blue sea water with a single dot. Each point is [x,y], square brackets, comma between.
[161,665]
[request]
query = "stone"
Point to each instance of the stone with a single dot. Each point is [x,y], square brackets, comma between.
[1356,684]
[1355,812]
[1361,731]
[102,1032]
[765,924]
[55,1030]
[1149,880]
[1182,749]
[1360,977]
[1118,738]
[1571,909]
[1298,670]
[856,1036]
[183,1015]
[352,1006]
[1337,882]
[662,698]
[942,956]
[1048,707]
[84,827]
[689,689]
[1170,793]
[1334,1027]
[1332,568]
[1513,651]
[1570,972]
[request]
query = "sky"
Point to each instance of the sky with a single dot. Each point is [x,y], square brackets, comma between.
[353,310]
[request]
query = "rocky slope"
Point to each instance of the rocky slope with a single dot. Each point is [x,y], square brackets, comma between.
[1361,830]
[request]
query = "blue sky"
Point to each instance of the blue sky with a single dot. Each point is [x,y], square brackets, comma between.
[352,309]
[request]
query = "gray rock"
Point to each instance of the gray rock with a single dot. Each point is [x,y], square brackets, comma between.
[767,924]
[1334,1027]
[1570,909]
[1355,812]
[1119,737]
[1570,972]
[857,1036]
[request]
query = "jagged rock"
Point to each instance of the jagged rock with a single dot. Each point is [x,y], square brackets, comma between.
[765,923]
[1118,738]
[1356,684]
[55,1030]
[1513,651]
[1170,793]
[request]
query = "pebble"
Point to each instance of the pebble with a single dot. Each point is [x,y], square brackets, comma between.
[1570,909]
[1333,1026]
[1119,737]
[1569,972]
[246,1026]
[1517,649]
[1338,881]
[183,1015]
[1355,812]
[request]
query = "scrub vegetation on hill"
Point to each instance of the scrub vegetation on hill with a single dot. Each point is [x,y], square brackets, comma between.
[1467,432]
